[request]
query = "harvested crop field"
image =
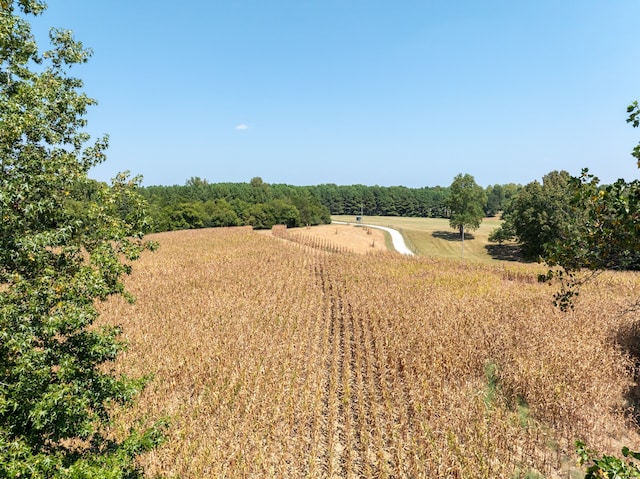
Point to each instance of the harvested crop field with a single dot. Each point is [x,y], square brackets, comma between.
[335,237]
[277,359]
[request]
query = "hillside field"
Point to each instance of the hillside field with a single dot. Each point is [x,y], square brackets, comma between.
[281,358]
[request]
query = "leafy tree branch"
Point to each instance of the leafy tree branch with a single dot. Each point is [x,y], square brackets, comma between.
[56,260]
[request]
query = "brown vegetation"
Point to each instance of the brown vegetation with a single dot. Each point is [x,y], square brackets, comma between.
[336,238]
[275,360]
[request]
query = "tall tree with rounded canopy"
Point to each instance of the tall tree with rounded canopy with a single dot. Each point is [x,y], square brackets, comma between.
[56,260]
[539,215]
[466,201]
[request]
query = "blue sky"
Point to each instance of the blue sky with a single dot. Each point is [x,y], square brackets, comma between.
[372,92]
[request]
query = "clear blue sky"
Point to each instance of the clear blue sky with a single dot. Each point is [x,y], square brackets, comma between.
[406,92]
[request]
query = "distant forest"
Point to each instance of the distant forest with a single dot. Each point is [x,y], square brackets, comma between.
[200,204]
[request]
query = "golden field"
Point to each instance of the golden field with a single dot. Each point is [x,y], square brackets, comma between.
[336,238]
[277,358]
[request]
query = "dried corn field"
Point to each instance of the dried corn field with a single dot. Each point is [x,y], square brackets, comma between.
[277,359]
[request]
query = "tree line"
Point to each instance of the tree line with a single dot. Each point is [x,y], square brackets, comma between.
[201,204]
[537,217]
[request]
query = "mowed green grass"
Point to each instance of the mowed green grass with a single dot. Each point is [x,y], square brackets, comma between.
[434,236]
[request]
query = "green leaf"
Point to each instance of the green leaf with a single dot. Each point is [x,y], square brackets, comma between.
[65,241]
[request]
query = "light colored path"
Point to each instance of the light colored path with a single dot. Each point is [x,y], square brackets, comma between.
[396,237]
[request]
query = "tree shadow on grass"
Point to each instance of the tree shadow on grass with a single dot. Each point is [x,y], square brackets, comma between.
[505,252]
[451,235]
[628,338]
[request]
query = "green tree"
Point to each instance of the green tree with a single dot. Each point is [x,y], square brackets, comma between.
[466,201]
[184,216]
[634,119]
[310,211]
[504,233]
[495,198]
[604,235]
[607,236]
[274,212]
[540,214]
[220,213]
[499,198]
[605,466]
[260,190]
[197,188]
[56,396]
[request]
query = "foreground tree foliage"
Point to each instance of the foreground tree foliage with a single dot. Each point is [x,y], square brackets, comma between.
[604,236]
[61,249]
[605,466]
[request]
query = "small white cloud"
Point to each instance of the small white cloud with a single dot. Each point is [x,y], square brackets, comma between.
[242,126]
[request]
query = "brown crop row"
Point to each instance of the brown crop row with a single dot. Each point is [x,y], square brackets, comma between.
[312,241]
[273,360]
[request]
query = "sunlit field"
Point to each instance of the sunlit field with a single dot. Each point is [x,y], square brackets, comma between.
[276,358]
[337,237]
[434,237]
